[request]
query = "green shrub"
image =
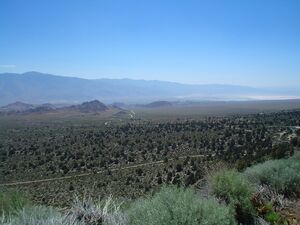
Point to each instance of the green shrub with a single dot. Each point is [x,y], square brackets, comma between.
[282,150]
[39,215]
[12,202]
[296,156]
[283,175]
[273,217]
[235,190]
[178,206]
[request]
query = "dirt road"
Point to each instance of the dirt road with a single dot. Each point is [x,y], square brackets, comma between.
[92,173]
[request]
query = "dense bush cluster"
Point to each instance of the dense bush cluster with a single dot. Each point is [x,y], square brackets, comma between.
[236,191]
[171,205]
[50,149]
[283,175]
[56,150]
[177,206]
[233,200]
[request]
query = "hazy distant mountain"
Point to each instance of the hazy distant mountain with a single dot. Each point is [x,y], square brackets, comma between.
[16,107]
[39,110]
[87,107]
[158,104]
[39,88]
[20,108]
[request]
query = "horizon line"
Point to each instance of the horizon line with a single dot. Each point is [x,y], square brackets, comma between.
[126,78]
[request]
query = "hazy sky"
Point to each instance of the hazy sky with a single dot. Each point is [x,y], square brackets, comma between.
[248,42]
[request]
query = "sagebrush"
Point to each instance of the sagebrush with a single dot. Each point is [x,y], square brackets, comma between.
[178,206]
[283,175]
[232,187]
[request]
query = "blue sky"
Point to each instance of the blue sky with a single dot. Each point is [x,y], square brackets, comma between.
[247,42]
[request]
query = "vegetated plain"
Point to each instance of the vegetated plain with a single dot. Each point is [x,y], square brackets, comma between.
[53,157]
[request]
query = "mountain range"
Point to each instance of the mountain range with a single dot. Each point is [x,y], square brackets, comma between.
[38,88]
[20,108]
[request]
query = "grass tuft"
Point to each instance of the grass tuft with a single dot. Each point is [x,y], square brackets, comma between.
[107,212]
[39,215]
[11,202]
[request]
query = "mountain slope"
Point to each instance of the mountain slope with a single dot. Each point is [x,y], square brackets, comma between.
[38,88]
[158,104]
[86,107]
[20,108]
[16,107]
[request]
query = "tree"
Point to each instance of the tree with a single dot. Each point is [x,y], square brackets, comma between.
[282,150]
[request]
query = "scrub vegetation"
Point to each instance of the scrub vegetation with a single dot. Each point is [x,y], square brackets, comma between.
[158,171]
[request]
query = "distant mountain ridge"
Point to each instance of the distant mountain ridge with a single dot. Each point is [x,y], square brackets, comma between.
[37,88]
[157,104]
[18,108]
[86,107]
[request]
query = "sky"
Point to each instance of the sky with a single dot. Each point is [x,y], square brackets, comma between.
[245,42]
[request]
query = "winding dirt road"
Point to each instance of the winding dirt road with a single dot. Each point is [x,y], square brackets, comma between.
[93,173]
